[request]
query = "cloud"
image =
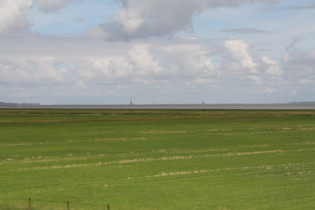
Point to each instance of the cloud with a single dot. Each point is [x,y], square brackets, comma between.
[157,17]
[244,66]
[83,62]
[89,67]
[14,14]
[155,63]
[189,60]
[300,63]
[141,58]
[293,43]
[135,20]
[135,64]
[239,56]
[243,31]
[30,71]
[242,59]
[307,7]
[53,5]
[271,67]
[80,19]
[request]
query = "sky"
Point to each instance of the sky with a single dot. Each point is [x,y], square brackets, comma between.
[157,51]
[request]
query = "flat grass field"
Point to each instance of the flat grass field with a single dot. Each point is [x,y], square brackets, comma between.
[157,159]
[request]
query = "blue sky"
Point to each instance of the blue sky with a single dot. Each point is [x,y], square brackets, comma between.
[157,51]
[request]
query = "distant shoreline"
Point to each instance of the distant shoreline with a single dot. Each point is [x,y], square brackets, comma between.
[283,106]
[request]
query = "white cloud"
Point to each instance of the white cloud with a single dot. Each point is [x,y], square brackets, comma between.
[85,62]
[130,20]
[143,61]
[270,90]
[68,60]
[305,81]
[13,18]
[107,69]
[189,60]
[153,62]
[136,19]
[140,18]
[92,67]
[98,32]
[300,62]
[242,60]
[39,70]
[135,64]
[238,54]
[272,67]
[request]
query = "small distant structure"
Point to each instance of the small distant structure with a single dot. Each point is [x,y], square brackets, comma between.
[130,101]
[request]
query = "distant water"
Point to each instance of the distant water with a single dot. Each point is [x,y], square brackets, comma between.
[287,106]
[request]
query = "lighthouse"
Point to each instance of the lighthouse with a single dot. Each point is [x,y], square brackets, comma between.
[130,101]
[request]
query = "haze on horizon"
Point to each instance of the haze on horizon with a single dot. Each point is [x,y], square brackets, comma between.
[157,51]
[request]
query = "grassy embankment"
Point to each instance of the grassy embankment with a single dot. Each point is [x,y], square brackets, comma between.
[157,159]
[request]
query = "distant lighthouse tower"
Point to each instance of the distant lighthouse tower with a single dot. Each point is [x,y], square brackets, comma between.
[130,101]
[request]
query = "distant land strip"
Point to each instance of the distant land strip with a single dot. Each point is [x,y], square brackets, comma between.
[276,106]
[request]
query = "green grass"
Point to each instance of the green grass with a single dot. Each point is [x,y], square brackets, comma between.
[157,159]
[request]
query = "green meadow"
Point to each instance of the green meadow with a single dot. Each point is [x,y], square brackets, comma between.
[157,159]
